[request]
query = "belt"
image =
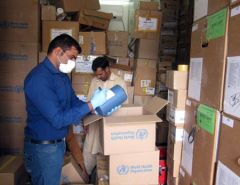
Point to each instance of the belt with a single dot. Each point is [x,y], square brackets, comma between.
[45,142]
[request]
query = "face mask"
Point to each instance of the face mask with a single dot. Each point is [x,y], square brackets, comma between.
[68,67]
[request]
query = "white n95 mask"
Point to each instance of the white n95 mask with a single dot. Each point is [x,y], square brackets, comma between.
[68,67]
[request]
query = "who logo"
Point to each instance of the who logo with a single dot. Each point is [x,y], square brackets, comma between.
[142,134]
[123,170]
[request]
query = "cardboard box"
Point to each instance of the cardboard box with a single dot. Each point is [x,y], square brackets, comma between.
[173,167]
[208,51]
[18,25]
[72,173]
[145,77]
[229,137]
[131,128]
[117,43]
[81,83]
[48,13]
[41,56]
[127,76]
[135,168]
[148,5]
[175,115]
[51,29]
[141,100]
[190,115]
[177,98]
[95,18]
[130,90]
[231,89]
[205,145]
[184,177]
[214,6]
[93,43]
[175,138]
[234,2]
[146,48]
[147,24]
[76,5]
[12,170]
[84,63]
[18,57]
[177,80]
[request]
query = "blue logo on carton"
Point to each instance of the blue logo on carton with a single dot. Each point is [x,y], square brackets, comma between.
[122,170]
[142,134]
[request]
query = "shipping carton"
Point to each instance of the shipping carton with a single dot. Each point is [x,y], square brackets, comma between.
[18,25]
[76,5]
[208,50]
[94,18]
[145,77]
[147,24]
[81,83]
[84,63]
[177,80]
[126,75]
[148,5]
[93,43]
[48,13]
[18,57]
[72,173]
[205,145]
[177,98]
[12,171]
[135,168]
[131,127]
[173,166]
[234,2]
[130,91]
[190,115]
[141,100]
[117,43]
[229,137]
[231,89]
[184,177]
[41,56]
[214,6]
[146,48]
[51,29]
[175,115]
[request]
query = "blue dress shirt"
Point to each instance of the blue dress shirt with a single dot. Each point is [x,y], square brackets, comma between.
[51,103]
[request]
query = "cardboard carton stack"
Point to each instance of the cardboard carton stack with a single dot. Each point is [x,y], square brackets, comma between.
[168,43]
[205,92]
[128,140]
[147,31]
[19,53]
[228,153]
[177,84]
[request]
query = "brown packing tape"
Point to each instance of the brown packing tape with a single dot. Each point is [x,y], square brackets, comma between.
[11,159]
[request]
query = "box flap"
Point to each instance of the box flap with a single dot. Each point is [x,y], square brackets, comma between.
[155,104]
[131,119]
[90,119]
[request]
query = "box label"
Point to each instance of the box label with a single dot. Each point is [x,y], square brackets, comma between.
[57,32]
[81,41]
[195,78]
[206,117]
[232,87]
[140,134]
[134,169]
[145,83]
[128,77]
[170,96]
[216,24]
[226,176]
[84,64]
[150,90]
[235,11]
[147,24]
[187,154]
[182,173]
[227,121]
[200,9]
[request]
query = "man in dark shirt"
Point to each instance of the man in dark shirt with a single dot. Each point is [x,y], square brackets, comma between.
[52,107]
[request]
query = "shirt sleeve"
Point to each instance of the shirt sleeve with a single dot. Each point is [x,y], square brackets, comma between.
[44,98]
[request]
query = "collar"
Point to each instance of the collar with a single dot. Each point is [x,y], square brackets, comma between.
[47,63]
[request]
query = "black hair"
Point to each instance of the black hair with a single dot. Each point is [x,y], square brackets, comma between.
[101,62]
[65,42]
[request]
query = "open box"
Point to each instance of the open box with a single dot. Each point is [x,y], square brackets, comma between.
[131,129]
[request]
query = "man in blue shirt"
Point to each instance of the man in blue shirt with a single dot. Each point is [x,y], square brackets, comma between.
[52,106]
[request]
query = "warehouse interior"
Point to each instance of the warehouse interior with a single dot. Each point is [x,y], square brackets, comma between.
[180,62]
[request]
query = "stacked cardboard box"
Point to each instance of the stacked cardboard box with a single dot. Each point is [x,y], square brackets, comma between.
[19,54]
[177,84]
[206,89]
[129,143]
[228,154]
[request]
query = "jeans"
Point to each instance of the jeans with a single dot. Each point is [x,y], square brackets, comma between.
[44,162]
